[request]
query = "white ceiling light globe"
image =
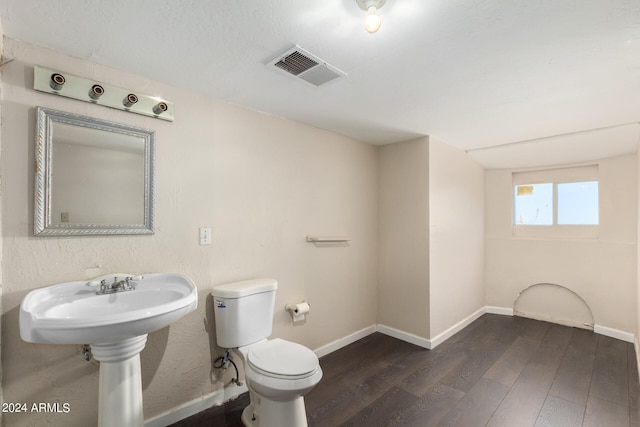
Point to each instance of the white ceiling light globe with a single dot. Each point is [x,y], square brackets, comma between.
[373,21]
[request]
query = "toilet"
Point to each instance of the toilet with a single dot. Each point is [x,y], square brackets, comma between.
[278,373]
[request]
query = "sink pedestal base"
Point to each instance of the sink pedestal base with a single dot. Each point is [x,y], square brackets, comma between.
[120,400]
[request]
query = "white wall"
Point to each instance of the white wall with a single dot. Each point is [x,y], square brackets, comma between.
[261,183]
[403,237]
[456,236]
[602,271]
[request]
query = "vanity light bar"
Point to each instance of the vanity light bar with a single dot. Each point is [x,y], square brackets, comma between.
[76,87]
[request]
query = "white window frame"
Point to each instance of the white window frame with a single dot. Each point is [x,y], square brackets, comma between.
[555,177]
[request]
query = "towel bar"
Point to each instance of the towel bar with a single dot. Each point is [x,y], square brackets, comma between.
[316,239]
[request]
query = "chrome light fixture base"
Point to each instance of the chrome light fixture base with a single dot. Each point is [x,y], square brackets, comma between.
[366,4]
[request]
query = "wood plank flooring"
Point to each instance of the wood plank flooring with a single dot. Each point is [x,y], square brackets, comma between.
[499,371]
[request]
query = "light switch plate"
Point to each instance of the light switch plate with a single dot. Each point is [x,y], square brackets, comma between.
[205,236]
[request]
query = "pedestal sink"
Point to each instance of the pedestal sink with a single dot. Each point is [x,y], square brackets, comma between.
[115,322]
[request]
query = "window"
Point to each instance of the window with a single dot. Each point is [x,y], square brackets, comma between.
[556,199]
[534,204]
[577,203]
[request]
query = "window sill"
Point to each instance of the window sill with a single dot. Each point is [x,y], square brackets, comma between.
[555,231]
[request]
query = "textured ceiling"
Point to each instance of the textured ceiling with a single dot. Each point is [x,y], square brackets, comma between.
[471,73]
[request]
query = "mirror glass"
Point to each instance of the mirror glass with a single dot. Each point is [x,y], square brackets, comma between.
[93,177]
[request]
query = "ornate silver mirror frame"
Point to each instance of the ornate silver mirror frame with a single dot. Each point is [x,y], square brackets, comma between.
[92,176]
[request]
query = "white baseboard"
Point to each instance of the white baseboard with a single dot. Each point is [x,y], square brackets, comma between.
[195,406]
[404,336]
[614,333]
[499,310]
[598,329]
[442,337]
[636,344]
[345,341]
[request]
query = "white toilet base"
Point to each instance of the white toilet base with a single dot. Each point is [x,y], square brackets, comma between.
[276,414]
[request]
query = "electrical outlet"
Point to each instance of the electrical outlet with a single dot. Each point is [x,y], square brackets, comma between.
[205,236]
[64,217]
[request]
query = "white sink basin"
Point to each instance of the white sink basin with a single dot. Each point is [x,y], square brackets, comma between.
[72,313]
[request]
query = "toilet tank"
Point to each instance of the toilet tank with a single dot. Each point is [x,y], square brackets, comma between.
[243,311]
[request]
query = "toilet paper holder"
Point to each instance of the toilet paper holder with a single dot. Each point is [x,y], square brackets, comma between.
[298,311]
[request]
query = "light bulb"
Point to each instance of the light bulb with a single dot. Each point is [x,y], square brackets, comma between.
[372,21]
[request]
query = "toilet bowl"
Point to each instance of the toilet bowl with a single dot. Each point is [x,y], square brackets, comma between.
[278,373]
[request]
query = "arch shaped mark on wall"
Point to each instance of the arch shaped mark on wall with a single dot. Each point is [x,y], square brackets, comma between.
[554,303]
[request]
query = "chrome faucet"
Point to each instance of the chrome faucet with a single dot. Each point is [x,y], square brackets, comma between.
[118,285]
[128,283]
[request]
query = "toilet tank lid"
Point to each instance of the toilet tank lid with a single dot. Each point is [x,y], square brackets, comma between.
[244,288]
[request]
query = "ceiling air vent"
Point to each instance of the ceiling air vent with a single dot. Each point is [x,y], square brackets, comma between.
[303,65]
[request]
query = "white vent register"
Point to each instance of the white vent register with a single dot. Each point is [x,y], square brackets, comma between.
[303,65]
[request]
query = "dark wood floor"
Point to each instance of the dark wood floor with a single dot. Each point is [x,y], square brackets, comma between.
[499,371]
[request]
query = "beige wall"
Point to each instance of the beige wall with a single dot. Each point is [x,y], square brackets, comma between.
[601,271]
[1,228]
[431,237]
[403,239]
[456,236]
[637,340]
[261,183]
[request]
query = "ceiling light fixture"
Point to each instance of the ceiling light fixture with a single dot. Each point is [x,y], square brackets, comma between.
[372,21]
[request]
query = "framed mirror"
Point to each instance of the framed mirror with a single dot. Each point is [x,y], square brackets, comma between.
[92,177]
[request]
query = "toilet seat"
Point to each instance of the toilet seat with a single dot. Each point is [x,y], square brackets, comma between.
[278,358]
